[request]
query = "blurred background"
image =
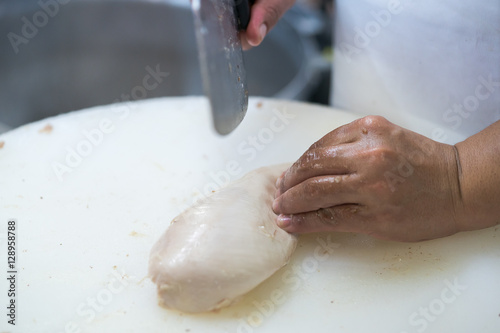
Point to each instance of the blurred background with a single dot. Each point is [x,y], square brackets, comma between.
[58,56]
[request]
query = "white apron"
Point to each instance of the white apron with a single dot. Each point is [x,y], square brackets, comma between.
[420,61]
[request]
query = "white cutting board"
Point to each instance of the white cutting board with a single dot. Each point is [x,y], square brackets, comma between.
[84,238]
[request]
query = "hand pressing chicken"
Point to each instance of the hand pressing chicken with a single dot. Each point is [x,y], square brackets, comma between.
[373,177]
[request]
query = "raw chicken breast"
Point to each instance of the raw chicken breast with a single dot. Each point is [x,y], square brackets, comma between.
[222,247]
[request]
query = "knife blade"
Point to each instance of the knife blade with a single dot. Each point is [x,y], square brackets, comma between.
[221,59]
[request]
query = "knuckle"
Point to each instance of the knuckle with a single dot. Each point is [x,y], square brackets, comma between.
[381,152]
[380,155]
[312,156]
[310,189]
[273,13]
[373,122]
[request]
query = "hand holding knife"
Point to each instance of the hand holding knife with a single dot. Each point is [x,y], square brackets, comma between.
[221,58]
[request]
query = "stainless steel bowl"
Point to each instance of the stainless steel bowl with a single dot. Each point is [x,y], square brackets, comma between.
[75,54]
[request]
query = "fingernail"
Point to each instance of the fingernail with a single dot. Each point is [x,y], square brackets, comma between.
[275,205]
[280,178]
[262,32]
[278,185]
[277,193]
[284,221]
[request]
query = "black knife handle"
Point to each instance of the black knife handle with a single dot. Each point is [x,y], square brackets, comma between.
[242,8]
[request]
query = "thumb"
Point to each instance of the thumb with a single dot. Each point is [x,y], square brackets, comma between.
[343,218]
[263,17]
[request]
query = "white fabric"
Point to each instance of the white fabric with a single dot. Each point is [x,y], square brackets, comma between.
[420,59]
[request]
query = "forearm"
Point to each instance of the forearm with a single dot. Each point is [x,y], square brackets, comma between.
[479,177]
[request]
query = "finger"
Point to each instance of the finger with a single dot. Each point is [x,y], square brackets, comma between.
[336,143]
[278,182]
[316,162]
[345,218]
[347,133]
[316,193]
[350,132]
[244,41]
[263,17]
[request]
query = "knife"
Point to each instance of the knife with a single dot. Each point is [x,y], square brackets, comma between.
[221,58]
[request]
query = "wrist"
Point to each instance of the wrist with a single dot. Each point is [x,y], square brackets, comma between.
[455,178]
[475,200]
